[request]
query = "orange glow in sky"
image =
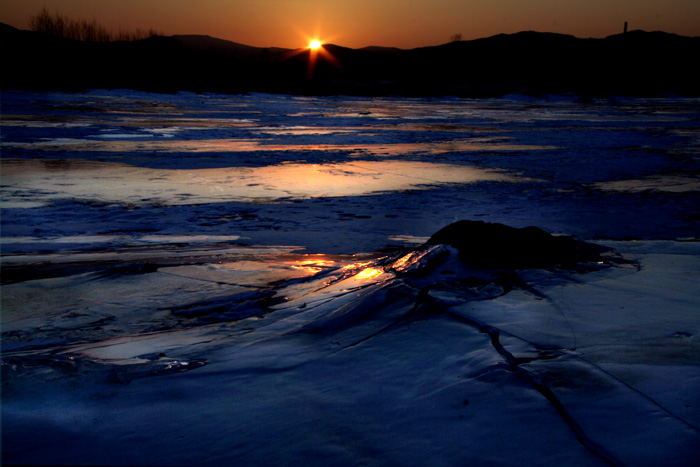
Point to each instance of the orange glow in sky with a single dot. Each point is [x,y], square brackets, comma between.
[361,23]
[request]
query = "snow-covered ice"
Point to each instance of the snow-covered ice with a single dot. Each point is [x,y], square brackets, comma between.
[199,279]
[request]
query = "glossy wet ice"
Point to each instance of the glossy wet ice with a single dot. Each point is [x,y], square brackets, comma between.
[365,170]
[120,183]
[204,279]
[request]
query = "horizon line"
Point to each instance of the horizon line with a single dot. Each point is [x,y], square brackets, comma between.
[410,48]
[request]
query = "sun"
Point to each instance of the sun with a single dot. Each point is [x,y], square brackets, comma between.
[315,52]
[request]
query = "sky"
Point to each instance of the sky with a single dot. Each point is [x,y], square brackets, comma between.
[359,23]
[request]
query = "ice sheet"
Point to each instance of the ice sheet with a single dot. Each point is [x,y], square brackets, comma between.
[197,279]
[386,361]
[124,184]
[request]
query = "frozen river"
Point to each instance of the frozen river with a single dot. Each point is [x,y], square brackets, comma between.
[290,170]
[207,280]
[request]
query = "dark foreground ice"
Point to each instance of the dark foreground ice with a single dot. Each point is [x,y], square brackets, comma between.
[245,280]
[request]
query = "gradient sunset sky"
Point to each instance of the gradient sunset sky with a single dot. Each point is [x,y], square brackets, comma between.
[360,23]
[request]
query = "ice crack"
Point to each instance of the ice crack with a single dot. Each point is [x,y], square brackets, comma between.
[535,380]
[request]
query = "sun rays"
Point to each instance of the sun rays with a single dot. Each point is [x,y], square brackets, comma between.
[317,52]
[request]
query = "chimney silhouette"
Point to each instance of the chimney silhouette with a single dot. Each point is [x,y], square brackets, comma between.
[625,26]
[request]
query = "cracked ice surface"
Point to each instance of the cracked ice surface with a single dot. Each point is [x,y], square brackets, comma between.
[141,326]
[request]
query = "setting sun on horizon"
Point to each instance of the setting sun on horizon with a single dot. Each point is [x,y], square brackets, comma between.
[267,23]
[315,44]
[357,24]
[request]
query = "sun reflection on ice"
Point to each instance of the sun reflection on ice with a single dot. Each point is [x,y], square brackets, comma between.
[369,273]
[123,183]
[314,266]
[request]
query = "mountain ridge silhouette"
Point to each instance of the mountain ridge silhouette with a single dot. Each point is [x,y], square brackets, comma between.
[635,63]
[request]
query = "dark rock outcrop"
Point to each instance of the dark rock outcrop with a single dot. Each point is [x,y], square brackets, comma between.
[486,245]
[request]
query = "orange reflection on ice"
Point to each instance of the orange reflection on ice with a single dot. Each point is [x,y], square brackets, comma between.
[403,262]
[369,273]
[122,183]
[313,266]
[146,144]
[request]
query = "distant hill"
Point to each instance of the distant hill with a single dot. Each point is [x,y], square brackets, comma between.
[636,63]
[210,44]
[376,48]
